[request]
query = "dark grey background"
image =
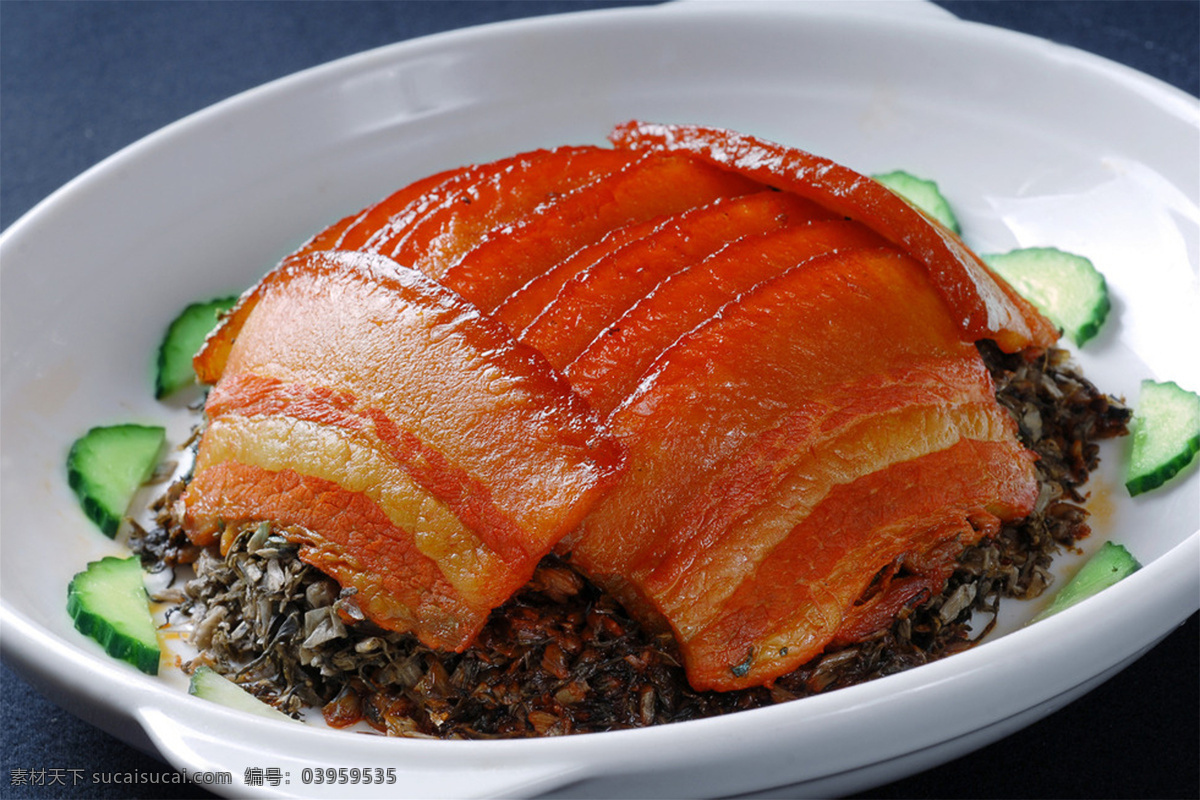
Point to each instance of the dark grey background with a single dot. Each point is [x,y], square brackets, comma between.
[80,80]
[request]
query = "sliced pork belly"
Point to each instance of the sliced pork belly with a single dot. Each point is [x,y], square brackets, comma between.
[804,591]
[987,307]
[748,504]
[455,218]
[719,545]
[602,289]
[656,185]
[612,365]
[521,307]
[351,232]
[734,383]
[409,444]
[813,329]
[770,393]
[435,219]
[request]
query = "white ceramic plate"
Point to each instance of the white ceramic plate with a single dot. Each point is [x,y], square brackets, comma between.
[1034,144]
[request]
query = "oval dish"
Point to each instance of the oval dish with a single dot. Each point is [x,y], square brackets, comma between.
[1115,178]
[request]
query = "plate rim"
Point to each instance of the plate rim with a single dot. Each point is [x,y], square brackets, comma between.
[354,61]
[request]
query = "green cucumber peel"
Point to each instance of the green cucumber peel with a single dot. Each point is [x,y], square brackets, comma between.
[208,684]
[922,193]
[1166,435]
[108,603]
[1064,286]
[1111,564]
[106,466]
[182,340]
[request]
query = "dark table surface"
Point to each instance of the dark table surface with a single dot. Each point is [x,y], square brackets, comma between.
[80,80]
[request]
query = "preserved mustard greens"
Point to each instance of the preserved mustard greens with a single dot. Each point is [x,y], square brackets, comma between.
[208,684]
[922,193]
[1166,434]
[183,338]
[1111,564]
[108,603]
[106,465]
[1065,287]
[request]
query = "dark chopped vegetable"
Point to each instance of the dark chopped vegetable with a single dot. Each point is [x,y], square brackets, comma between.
[562,657]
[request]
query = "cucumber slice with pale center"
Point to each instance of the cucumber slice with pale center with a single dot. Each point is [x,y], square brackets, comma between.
[106,465]
[209,684]
[1111,564]
[1166,434]
[1065,287]
[108,603]
[183,339]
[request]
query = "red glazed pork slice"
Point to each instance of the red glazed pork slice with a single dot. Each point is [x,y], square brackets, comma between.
[763,394]
[409,444]
[507,259]
[606,287]
[443,226]
[611,366]
[985,306]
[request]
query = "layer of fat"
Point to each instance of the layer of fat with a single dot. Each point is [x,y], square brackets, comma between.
[860,449]
[353,460]
[420,365]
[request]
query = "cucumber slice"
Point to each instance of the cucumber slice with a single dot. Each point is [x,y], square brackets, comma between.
[1065,287]
[209,684]
[922,193]
[183,339]
[1166,435]
[1112,563]
[108,602]
[107,464]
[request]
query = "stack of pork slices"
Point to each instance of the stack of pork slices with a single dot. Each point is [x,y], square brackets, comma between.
[734,383]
